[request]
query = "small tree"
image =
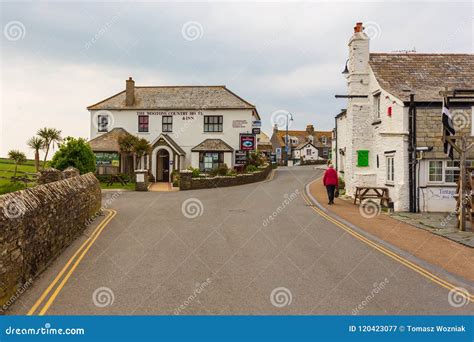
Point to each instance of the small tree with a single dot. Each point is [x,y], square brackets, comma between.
[50,136]
[36,143]
[74,152]
[18,157]
[141,147]
[126,143]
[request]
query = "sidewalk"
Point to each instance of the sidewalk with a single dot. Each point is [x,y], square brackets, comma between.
[451,256]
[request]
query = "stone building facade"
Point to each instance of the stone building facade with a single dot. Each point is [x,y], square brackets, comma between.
[373,134]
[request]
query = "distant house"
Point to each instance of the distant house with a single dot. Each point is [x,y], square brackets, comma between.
[320,140]
[264,144]
[376,133]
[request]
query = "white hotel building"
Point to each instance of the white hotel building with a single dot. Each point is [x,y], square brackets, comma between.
[198,126]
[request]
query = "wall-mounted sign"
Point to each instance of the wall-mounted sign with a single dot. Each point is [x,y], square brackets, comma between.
[255,130]
[247,142]
[256,124]
[184,114]
[107,159]
[239,123]
[240,157]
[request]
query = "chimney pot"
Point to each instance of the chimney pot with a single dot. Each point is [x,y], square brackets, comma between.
[358,28]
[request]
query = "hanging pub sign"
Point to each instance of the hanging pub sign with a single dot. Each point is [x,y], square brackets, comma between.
[247,142]
[255,130]
[240,157]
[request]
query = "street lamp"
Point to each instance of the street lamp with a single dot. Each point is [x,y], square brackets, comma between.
[288,118]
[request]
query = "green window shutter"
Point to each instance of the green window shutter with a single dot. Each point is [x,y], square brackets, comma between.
[362,158]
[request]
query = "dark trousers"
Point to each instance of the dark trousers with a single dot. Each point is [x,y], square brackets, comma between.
[330,189]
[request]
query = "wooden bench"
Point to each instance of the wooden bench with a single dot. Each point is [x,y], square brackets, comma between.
[376,192]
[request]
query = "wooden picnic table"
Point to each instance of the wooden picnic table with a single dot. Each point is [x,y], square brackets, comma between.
[377,192]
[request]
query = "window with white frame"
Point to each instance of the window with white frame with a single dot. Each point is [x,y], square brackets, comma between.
[435,171]
[390,162]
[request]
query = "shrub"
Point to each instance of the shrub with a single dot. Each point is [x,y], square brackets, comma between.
[196,172]
[222,170]
[74,152]
[251,168]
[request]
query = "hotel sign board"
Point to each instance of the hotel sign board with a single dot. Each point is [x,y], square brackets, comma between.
[107,159]
[185,115]
[240,157]
[247,142]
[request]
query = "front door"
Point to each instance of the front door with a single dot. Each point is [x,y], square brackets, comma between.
[163,166]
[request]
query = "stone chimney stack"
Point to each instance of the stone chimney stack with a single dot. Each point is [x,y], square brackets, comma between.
[275,128]
[129,92]
[358,51]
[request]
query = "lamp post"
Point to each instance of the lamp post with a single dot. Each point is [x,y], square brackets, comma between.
[288,117]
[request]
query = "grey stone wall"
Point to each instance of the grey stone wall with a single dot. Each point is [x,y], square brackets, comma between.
[36,224]
[188,183]
[429,128]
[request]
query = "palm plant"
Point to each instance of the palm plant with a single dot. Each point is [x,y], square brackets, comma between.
[126,143]
[50,136]
[141,147]
[18,157]
[36,143]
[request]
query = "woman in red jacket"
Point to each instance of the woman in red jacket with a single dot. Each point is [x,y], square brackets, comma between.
[330,181]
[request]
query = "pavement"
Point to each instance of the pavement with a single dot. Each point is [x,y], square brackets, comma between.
[442,224]
[262,248]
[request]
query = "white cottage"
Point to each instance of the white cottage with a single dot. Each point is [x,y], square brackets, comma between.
[198,126]
[377,131]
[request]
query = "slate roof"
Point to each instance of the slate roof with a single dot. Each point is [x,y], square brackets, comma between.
[423,74]
[108,142]
[215,145]
[176,97]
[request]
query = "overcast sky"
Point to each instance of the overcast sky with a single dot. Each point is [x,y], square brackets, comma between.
[57,58]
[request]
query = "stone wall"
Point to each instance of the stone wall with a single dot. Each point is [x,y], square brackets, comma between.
[36,224]
[186,182]
[429,128]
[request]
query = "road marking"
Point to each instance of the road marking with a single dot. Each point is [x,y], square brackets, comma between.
[90,240]
[425,273]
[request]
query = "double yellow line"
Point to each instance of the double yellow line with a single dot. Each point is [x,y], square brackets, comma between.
[420,270]
[69,268]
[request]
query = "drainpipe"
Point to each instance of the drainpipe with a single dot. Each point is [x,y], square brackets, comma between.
[413,197]
[335,150]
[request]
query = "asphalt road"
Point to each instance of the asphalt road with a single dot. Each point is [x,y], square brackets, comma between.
[252,249]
